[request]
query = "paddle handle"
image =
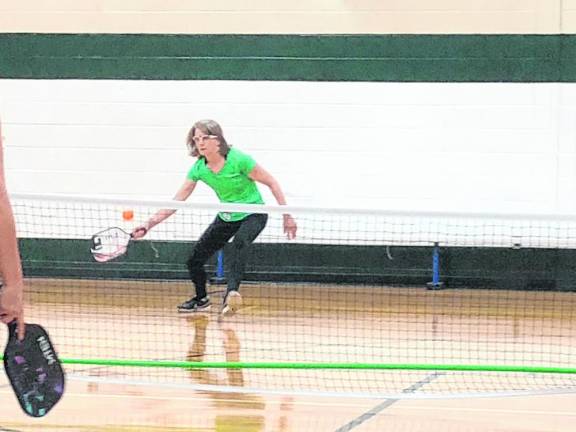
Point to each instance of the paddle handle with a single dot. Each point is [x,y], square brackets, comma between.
[13,329]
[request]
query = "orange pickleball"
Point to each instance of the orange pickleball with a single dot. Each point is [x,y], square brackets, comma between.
[128,215]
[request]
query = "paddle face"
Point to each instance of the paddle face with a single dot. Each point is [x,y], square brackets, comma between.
[109,244]
[34,370]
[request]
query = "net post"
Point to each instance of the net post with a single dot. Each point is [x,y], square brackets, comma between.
[436,283]
[219,278]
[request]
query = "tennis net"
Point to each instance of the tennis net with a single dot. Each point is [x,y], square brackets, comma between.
[343,309]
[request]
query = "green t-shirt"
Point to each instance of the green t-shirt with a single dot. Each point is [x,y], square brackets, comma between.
[231,184]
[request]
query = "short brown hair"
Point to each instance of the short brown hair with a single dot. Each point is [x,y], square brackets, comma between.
[209,127]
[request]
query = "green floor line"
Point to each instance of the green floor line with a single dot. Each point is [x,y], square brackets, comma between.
[319,366]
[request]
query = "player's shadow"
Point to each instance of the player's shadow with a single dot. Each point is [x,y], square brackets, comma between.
[233,408]
[205,347]
[201,351]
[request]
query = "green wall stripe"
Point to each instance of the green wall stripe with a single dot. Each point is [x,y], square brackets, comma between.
[405,58]
[539,269]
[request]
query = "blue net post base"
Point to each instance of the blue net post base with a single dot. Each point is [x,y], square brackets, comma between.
[435,286]
[219,278]
[436,283]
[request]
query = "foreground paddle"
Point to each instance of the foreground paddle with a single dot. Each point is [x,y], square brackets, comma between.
[33,369]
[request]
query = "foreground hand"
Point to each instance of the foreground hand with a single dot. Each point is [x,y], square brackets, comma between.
[11,307]
[290,227]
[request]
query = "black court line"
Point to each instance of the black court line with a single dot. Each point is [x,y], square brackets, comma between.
[387,403]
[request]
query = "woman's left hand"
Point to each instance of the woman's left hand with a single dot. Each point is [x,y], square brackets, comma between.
[290,227]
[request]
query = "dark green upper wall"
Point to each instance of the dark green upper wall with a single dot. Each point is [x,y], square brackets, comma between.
[405,58]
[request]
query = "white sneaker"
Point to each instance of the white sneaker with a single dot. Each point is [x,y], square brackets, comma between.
[232,303]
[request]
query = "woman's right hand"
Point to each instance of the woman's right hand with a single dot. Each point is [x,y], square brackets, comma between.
[139,232]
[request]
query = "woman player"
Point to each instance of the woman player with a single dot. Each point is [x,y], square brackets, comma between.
[233,176]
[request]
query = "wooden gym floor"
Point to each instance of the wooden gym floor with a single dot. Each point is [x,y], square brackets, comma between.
[113,319]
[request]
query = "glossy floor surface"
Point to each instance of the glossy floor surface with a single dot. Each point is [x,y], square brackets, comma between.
[301,323]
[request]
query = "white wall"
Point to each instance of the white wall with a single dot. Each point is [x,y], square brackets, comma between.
[288,16]
[440,146]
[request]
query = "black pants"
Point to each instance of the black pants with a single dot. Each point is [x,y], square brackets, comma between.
[214,238]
